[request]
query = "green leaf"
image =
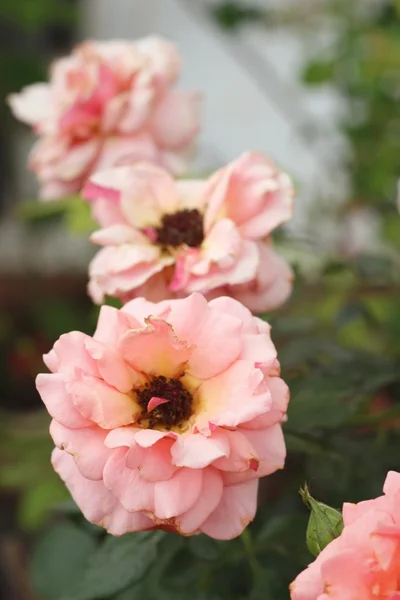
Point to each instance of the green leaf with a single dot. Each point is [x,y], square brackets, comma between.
[37,502]
[319,72]
[117,564]
[59,559]
[36,210]
[324,525]
[204,547]
[78,216]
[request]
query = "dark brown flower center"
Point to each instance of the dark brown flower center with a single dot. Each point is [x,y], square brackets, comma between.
[173,413]
[182,227]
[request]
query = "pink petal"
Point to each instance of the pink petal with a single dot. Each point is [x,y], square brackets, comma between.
[107,183]
[185,260]
[120,150]
[71,352]
[154,463]
[102,403]
[196,451]
[150,193]
[140,309]
[85,445]
[120,521]
[76,160]
[154,402]
[33,104]
[163,58]
[51,361]
[280,399]
[392,483]
[112,324]
[222,246]
[234,308]
[243,269]
[155,349]
[58,402]
[215,334]
[139,102]
[176,119]
[191,193]
[268,447]
[121,436]
[272,284]
[241,453]
[258,348]
[115,259]
[107,211]
[207,502]
[251,192]
[230,398]
[278,210]
[178,494]
[134,492]
[148,437]
[117,235]
[97,504]
[106,279]
[112,368]
[235,511]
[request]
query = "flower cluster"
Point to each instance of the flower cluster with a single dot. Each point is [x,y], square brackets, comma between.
[108,103]
[363,563]
[167,416]
[164,238]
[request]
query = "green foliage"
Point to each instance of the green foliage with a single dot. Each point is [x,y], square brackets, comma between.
[59,560]
[116,564]
[75,212]
[30,15]
[229,15]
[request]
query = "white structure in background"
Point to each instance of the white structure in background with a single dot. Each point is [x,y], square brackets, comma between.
[252,101]
[249,80]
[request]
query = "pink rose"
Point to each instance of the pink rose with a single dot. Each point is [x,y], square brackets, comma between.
[165,238]
[363,563]
[108,103]
[167,416]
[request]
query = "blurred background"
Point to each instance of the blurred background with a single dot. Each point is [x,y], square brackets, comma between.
[315,84]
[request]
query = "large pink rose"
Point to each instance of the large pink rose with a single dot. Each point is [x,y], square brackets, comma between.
[363,563]
[167,416]
[108,103]
[165,238]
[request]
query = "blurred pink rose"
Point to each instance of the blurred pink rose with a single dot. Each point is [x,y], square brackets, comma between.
[108,103]
[363,563]
[167,416]
[165,238]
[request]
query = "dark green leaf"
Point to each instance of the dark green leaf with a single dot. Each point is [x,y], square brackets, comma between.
[204,547]
[117,564]
[59,559]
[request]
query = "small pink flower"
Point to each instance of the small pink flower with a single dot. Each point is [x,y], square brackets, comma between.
[363,563]
[108,103]
[165,238]
[167,416]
